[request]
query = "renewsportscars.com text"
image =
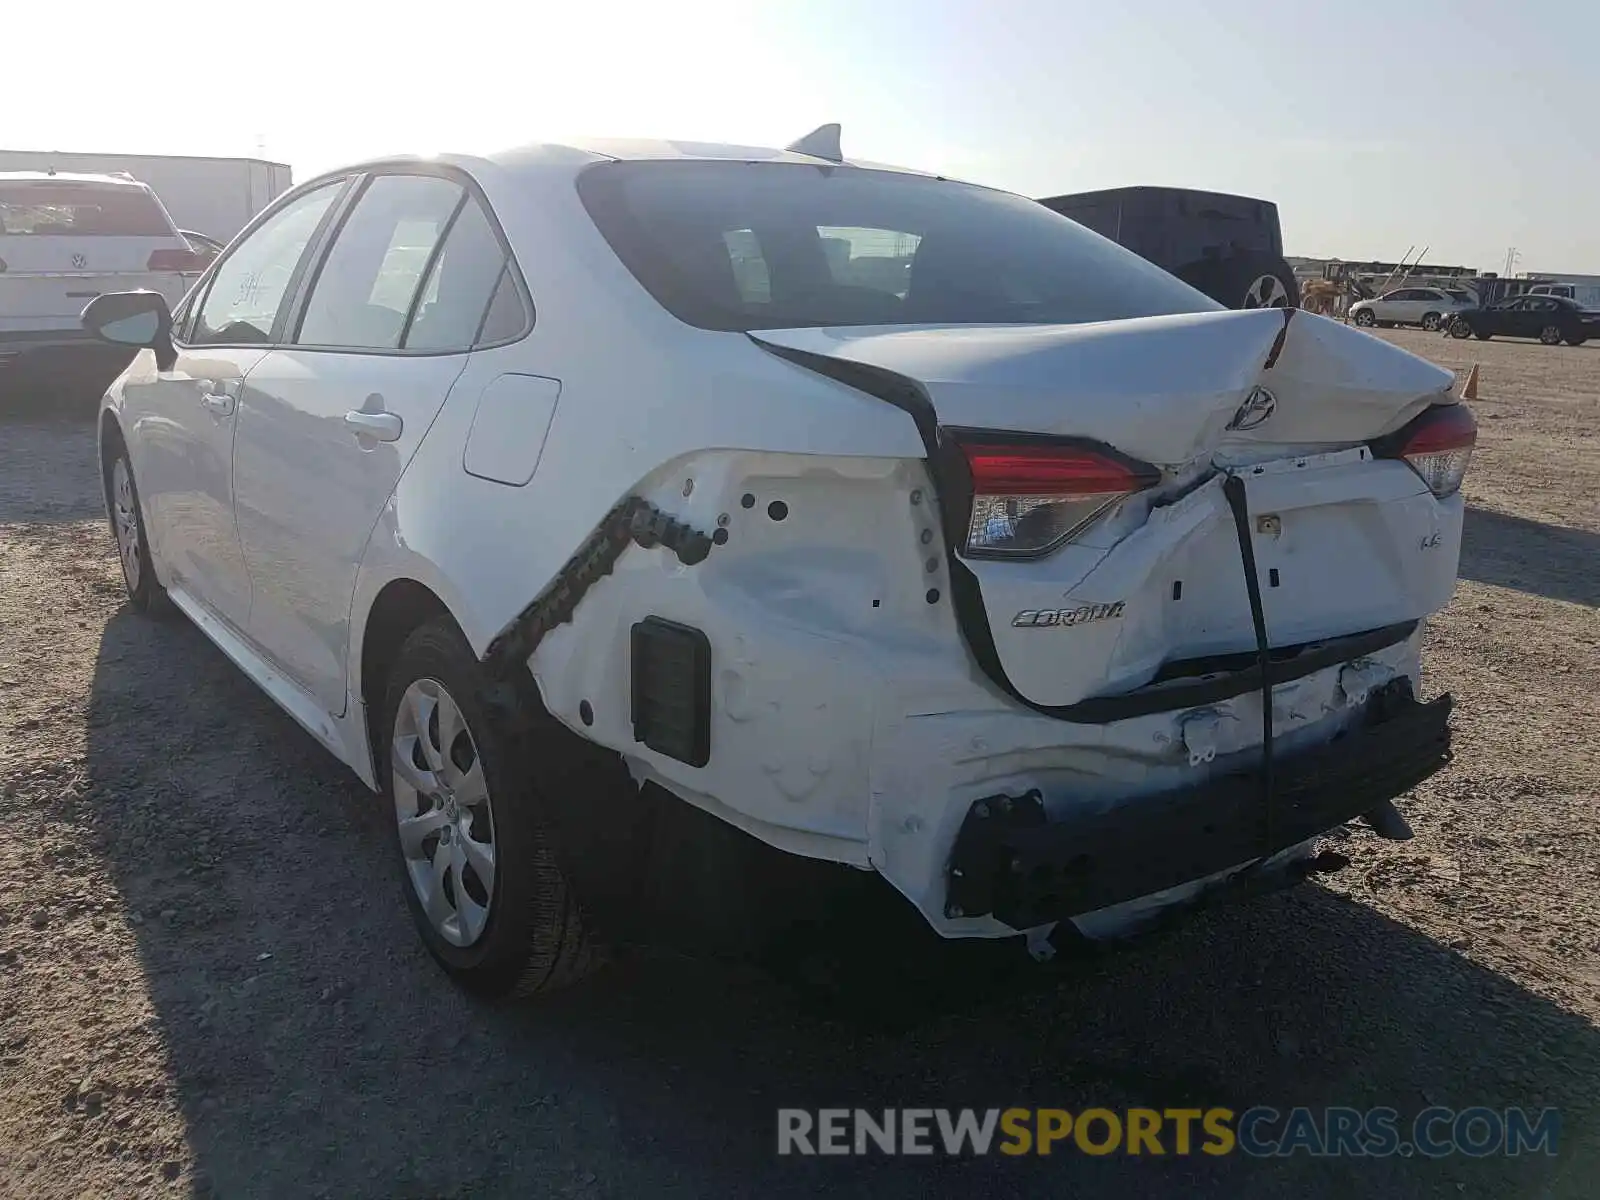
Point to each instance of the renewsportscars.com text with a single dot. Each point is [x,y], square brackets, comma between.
[1258,1132]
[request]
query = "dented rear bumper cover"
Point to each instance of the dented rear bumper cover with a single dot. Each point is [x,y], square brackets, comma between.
[1026,868]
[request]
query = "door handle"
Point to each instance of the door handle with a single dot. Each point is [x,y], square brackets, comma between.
[217,403]
[379,426]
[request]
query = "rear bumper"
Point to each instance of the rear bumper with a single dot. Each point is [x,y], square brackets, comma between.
[43,353]
[1026,868]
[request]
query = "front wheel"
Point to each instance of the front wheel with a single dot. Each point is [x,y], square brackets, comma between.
[145,593]
[1430,322]
[1365,319]
[1550,335]
[477,863]
[1460,329]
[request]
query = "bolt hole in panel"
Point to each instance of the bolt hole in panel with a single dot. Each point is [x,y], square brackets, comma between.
[509,428]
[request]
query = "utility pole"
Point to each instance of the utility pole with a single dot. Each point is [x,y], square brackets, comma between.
[1511,261]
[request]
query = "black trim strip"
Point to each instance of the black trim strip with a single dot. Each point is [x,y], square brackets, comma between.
[1233,491]
[1307,660]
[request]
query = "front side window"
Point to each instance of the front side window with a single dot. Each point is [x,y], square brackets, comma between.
[741,246]
[364,291]
[248,286]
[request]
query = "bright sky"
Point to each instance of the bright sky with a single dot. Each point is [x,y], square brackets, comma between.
[1467,125]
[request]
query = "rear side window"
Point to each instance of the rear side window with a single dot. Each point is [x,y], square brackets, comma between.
[739,246]
[363,294]
[466,277]
[80,210]
[248,286]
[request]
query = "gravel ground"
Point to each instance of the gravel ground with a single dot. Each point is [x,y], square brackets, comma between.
[208,983]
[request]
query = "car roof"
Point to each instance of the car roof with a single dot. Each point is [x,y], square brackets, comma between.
[676,150]
[574,155]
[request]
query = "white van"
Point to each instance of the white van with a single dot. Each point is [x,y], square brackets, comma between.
[1586,294]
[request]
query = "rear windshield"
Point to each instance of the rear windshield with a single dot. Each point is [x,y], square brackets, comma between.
[67,210]
[740,246]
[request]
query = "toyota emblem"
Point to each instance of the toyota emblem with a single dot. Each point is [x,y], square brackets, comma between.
[1257,407]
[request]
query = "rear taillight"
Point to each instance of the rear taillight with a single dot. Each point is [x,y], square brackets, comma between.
[1029,497]
[1437,445]
[175,260]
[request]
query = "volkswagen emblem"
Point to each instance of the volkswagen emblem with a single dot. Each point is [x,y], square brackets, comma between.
[1257,407]
[79,261]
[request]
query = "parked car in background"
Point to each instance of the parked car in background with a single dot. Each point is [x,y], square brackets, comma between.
[65,239]
[216,196]
[1229,247]
[1429,307]
[522,481]
[1551,319]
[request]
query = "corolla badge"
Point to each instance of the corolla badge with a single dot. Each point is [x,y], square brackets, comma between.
[1065,618]
[1257,407]
[79,261]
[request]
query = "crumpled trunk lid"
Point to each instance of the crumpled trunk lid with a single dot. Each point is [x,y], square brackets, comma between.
[1344,543]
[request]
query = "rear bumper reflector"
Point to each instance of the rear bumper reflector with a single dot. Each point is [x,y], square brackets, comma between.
[1027,868]
[671,671]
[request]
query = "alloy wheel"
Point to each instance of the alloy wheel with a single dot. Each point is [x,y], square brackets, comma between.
[1266,292]
[443,812]
[1550,335]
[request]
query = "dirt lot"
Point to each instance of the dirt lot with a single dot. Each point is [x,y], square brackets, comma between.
[208,983]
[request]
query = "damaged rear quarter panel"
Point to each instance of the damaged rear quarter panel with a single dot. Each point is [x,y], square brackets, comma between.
[818,596]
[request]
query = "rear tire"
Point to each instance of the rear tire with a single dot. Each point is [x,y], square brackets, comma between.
[1430,322]
[518,931]
[1550,335]
[1364,318]
[1576,341]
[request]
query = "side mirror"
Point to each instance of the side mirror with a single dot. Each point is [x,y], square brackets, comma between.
[139,319]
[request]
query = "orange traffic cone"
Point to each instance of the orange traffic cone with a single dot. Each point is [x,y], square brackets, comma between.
[1470,391]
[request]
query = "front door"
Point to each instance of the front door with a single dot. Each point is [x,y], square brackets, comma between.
[183,432]
[187,416]
[329,422]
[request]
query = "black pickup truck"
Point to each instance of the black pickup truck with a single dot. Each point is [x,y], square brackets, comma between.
[1229,247]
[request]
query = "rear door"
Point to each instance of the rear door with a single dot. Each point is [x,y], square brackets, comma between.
[1406,306]
[64,241]
[1517,318]
[328,422]
[1540,312]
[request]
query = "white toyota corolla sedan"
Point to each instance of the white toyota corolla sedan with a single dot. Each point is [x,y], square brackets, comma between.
[678,536]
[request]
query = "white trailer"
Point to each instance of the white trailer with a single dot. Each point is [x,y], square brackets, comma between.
[213,196]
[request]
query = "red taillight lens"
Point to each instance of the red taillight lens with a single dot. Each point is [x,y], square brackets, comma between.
[175,260]
[1437,445]
[1028,498]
